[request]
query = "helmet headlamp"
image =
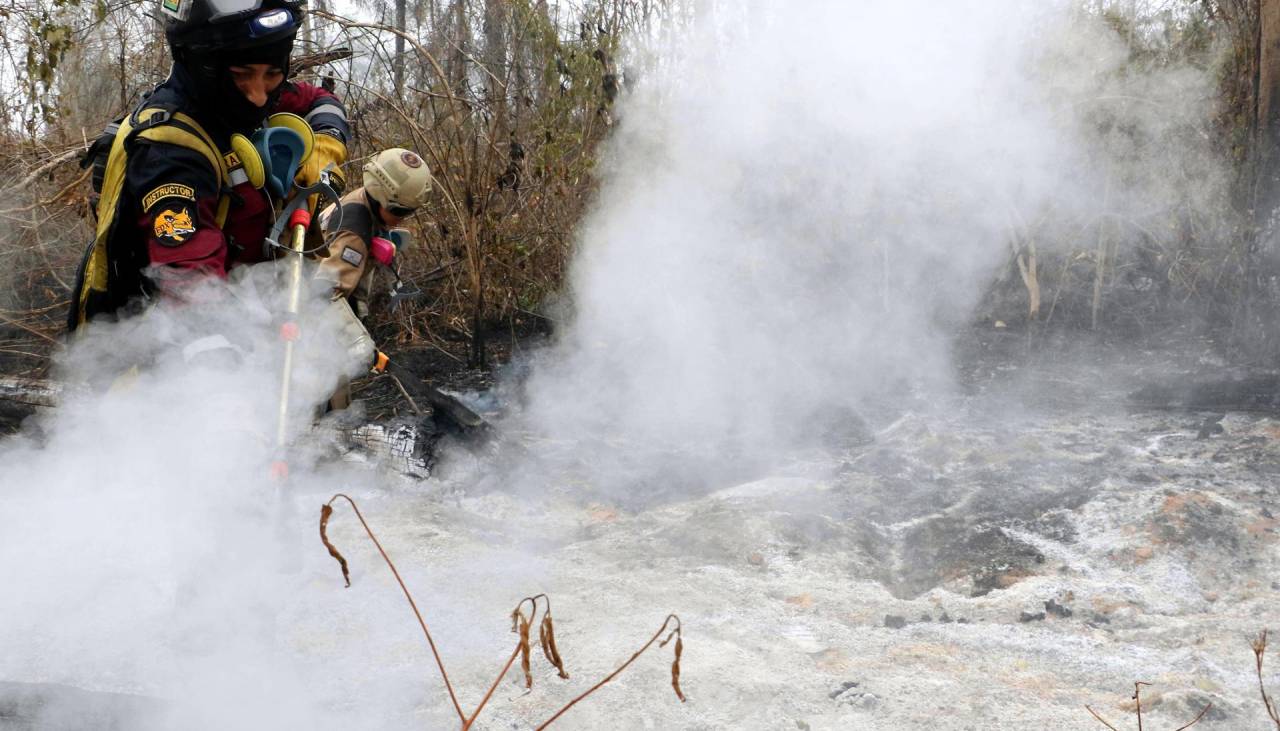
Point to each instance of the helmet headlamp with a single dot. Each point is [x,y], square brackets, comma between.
[270,22]
[222,10]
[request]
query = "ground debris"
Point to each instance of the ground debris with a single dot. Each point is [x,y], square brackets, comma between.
[1058,610]
[846,685]
[326,511]
[521,625]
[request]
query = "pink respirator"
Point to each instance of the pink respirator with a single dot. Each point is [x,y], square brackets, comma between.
[383,250]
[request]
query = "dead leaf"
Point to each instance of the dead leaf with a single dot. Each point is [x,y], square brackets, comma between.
[675,669]
[675,664]
[326,511]
[547,638]
[524,652]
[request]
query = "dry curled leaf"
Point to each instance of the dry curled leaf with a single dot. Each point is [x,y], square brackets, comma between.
[675,669]
[675,663]
[524,652]
[547,638]
[326,511]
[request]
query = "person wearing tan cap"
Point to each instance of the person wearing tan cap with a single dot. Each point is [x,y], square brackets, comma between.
[396,184]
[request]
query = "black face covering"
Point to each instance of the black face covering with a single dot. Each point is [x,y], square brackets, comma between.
[235,110]
[222,102]
[243,115]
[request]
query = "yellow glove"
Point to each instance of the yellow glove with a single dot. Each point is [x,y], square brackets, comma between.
[328,149]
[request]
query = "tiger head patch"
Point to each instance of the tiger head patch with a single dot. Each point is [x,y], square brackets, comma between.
[173,226]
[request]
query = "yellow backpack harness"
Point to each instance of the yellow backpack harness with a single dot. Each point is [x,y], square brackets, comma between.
[108,276]
[109,273]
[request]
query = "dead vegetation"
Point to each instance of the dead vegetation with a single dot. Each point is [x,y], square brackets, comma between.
[1137,700]
[522,621]
[1259,650]
[1259,647]
[509,100]
[1171,233]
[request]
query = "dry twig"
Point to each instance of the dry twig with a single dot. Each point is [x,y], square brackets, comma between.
[412,404]
[675,666]
[1101,720]
[1137,699]
[1195,720]
[47,165]
[421,622]
[521,624]
[1259,650]
[309,61]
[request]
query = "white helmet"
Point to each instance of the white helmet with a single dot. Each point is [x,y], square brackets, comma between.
[397,178]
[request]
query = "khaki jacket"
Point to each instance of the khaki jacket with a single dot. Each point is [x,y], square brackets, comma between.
[344,260]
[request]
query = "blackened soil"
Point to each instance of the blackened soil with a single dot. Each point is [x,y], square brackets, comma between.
[446,367]
[21,356]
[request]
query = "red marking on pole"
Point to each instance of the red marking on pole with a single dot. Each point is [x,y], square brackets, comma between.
[300,217]
[280,470]
[290,331]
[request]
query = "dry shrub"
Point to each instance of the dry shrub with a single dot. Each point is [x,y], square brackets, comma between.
[508,101]
[521,626]
[1137,701]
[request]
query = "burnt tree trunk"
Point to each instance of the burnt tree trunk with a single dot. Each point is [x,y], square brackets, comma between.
[399,63]
[1254,330]
[1268,107]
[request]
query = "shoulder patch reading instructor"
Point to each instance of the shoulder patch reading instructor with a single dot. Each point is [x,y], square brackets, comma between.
[168,190]
[173,225]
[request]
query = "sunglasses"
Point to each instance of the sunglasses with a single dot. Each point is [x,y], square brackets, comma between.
[400,211]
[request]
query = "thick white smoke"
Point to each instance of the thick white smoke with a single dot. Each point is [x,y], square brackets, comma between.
[803,200]
[144,547]
[800,201]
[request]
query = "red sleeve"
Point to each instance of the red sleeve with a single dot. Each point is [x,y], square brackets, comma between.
[176,194]
[322,109]
[298,96]
[204,249]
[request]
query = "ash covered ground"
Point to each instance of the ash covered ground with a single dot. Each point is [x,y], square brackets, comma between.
[995,559]
[751,419]
[998,560]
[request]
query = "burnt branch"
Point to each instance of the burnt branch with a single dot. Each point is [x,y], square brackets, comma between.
[412,605]
[675,666]
[308,61]
[1137,700]
[1259,650]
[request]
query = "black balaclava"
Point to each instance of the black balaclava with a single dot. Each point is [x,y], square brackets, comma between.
[228,102]
[205,51]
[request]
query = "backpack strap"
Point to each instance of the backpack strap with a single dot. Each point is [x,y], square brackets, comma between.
[155,123]
[176,128]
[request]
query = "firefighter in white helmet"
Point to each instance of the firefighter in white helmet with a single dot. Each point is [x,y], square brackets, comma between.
[396,184]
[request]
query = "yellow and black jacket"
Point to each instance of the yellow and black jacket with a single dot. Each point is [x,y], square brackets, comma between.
[174,204]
